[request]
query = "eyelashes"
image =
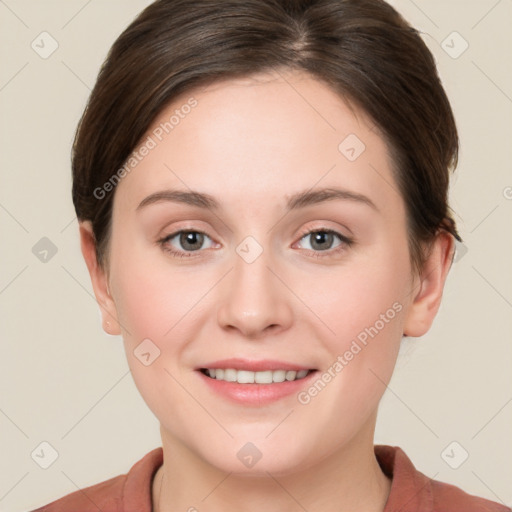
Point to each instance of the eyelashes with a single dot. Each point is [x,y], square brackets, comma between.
[319,235]
[192,237]
[184,236]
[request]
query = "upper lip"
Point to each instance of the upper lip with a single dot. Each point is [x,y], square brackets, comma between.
[253,365]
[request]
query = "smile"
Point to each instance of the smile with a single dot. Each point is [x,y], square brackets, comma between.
[250,382]
[250,377]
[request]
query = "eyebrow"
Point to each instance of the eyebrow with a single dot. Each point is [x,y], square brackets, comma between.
[295,202]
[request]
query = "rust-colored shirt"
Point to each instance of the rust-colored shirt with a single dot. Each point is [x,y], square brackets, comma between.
[411,491]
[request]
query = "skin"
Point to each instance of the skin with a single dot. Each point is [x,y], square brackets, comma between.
[252,143]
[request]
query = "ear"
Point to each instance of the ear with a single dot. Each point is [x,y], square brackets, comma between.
[99,279]
[428,289]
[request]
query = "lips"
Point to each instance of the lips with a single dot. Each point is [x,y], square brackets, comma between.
[250,382]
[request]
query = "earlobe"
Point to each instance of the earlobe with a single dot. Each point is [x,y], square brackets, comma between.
[428,290]
[99,280]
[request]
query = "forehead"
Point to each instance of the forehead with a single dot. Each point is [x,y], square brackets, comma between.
[271,133]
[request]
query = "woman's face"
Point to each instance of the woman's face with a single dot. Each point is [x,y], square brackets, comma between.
[296,260]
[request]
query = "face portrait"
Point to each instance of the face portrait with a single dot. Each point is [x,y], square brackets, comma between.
[249,241]
[255,256]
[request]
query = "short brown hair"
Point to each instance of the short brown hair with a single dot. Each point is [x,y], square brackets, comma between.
[363,49]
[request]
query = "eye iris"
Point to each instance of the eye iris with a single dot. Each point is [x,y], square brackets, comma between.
[321,237]
[191,240]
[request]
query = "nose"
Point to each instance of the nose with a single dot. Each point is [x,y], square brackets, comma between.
[254,301]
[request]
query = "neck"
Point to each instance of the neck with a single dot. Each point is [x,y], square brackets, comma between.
[348,480]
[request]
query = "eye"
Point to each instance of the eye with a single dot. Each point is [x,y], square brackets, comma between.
[182,242]
[326,241]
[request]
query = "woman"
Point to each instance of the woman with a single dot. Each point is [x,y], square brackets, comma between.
[262,191]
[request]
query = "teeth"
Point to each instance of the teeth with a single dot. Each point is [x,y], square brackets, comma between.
[263,377]
[247,377]
[279,376]
[229,375]
[242,377]
[290,375]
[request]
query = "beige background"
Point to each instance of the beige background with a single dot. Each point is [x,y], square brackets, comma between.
[65,382]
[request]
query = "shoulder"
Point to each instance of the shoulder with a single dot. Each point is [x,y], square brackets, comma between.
[413,491]
[449,498]
[123,493]
[105,496]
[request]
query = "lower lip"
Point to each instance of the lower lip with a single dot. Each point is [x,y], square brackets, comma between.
[256,394]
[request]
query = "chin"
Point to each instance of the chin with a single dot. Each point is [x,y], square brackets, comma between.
[256,456]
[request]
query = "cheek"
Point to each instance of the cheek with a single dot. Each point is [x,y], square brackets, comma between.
[151,298]
[161,310]
[364,306]
[367,320]
[155,308]
[364,300]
